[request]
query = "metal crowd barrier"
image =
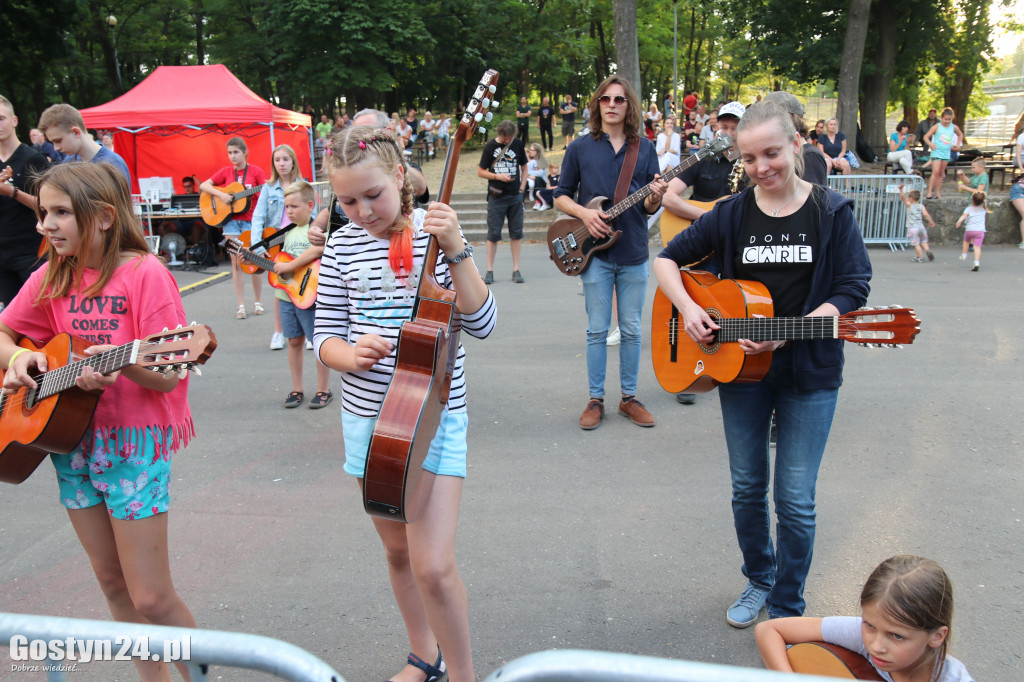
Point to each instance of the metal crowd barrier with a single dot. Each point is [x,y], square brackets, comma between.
[324,194]
[54,646]
[876,204]
[599,666]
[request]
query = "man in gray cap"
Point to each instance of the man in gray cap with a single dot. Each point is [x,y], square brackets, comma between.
[815,163]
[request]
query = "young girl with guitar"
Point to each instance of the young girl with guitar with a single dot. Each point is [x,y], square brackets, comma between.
[903,632]
[269,214]
[368,280]
[102,283]
[802,242]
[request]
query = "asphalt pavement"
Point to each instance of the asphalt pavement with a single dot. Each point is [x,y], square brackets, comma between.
[618,539]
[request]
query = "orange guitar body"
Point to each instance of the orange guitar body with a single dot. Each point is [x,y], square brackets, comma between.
[830,660]
[679,363]
[670,224]
[217,212]
[30,429]
[300,284]
[246,239]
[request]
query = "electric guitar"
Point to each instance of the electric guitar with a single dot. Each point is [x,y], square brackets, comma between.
[570,242]
[246,239]
[300,284]
[681,364]
[830,660]
[53,416]
[216,211]
[393,485]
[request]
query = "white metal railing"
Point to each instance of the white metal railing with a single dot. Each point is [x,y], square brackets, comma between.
[877,205]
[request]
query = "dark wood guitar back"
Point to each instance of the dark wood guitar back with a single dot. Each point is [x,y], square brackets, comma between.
[394,484]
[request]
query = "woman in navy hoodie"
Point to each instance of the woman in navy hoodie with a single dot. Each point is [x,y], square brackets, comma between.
[803,243]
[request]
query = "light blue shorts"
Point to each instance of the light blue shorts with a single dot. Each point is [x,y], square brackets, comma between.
[126,471]
[233,228]
[446,457]
[1017,191]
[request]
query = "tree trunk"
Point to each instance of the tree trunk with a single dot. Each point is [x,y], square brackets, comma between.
[627,51]
[849,70]
[876,84]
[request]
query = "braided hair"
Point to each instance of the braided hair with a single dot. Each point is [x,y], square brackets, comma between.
[358,144]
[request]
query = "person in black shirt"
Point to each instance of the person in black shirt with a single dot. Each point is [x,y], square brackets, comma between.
[523,113]
[503,165]
[19,240]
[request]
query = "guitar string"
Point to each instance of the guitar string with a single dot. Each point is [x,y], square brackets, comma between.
[64,378]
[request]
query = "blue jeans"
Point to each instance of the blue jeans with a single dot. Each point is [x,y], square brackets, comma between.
[803,420]
[630,285]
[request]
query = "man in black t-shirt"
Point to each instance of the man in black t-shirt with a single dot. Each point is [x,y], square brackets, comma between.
[523,113]
[545,115]
[19,240]
[503,165]
[568,120]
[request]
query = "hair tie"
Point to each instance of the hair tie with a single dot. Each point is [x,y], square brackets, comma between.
[362,145]
[329,152]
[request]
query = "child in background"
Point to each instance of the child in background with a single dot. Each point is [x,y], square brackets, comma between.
[298,323]
[916,232]
[536,173]
[546,197]
[444,134]
[904,628]
[64,126]
[370,273]
[977,182]
[115,483]
[974,233]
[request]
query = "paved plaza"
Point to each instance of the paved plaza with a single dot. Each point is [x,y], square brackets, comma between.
[618,539]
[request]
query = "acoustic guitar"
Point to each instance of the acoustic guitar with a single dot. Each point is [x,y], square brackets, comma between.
[670,224]
[681,364]
[393,485]
[216,211]
[569,241]
[300,284]
[830,660]
[53,416]
[246,240]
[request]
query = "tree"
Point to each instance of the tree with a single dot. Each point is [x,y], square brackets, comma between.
[626,47]
[849,70]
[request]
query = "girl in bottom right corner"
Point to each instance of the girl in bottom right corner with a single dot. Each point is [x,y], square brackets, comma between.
[904,629]
[974,230]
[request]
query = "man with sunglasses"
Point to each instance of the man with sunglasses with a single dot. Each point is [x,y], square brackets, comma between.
[591,168]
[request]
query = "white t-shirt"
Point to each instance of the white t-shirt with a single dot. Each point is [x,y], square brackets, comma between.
[975,218]
[845,631]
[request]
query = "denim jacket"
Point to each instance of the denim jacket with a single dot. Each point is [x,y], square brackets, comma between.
[269,209]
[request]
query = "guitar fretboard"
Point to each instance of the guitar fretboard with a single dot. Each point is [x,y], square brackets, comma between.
[777,328]
[60,379]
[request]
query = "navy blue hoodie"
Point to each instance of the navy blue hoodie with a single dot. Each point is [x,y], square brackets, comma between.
[841,273]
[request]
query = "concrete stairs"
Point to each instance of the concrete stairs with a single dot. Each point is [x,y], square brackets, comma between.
[472,210]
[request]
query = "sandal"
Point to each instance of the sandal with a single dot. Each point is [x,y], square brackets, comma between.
[257,308]
[240,313]
[294,399]
[434,672]
[321,399]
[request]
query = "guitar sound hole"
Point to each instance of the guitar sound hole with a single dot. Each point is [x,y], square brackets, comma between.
[715,344]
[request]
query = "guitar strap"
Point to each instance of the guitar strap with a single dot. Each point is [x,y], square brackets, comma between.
[626,174]
[272,240]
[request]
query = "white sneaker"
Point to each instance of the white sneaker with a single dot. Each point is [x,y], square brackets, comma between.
[613,337]
[309,345]
[1021,245]
[277,341]
[963,256]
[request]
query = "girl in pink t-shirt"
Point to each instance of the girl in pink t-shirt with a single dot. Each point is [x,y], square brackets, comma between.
[102,284]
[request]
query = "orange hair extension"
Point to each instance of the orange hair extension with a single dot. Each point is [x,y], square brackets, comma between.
[400,250]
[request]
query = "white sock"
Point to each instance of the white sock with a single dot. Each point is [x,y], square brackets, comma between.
[977,262]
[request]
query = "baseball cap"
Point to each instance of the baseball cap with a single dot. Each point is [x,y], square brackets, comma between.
[785,100]
[732,109]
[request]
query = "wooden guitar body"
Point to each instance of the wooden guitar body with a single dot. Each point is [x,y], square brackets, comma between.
[300,285]
[246,239]
[569,248]
[830,660]
[31,429]
[680,364]
[669,224]
[216,212]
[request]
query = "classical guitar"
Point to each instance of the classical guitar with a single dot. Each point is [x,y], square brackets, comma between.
[246,240]
[300,284]
[216,211]
[670,224]
[569,241]
[681,364]
[53,416]
[830,660]
[393,487]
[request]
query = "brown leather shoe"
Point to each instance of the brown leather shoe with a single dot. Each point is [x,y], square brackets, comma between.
[635,410]
[592,416]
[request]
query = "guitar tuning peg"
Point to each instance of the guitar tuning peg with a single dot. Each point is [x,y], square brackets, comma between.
[895,307]
[492,88]
[195,368]
[485,102]
[166,329]
[489,116]
[182,372]
[494,104]
[478,117]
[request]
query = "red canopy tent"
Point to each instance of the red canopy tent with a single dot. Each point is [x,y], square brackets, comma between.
[178,120]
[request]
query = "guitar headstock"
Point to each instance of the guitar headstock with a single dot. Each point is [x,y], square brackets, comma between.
[880,327]
[479,103]
[177,350]
[720,143]
[5,174]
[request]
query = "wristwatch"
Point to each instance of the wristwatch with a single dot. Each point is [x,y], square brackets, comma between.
[458,258]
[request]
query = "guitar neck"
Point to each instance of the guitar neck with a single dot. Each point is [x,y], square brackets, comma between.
[777,328]
[644,192]
[246,193]
[258,261]
[56,380]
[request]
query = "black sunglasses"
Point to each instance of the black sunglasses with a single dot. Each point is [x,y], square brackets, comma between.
[605,99]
